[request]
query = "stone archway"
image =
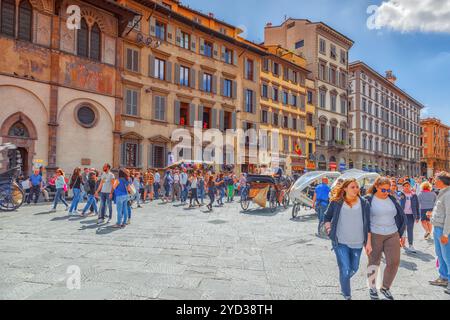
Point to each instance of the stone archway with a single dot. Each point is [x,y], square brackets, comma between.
[19,130]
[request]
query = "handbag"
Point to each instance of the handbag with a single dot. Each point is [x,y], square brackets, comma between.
[65,187]
[132,190]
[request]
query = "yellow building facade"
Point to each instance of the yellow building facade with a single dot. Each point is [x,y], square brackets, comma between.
[283,107]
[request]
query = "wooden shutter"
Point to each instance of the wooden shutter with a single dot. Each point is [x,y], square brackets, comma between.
[135,103]
[255,70]
[202,46]
[222,55]
[222,85]
[8,17]
[151,66]
[193,43]
[215,51]
[213,118]
[254,102]
[177,112]
[192,78]
[129,64]
[269,65]
[233,120]
[163,108]
[221,120]
[25,20]
[170,35]
[128,106]
[235,58]
[177,73]
[191,114]
[214,84]
[168,71]
[152,26]
[156,104]
[200,81]
[245,68]
[234,90]
[95,47]
[178,37]
[200,114]
[135,61]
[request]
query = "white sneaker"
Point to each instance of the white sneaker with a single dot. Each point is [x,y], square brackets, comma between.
[412,249]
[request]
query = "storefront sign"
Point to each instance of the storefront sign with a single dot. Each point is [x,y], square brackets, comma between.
[333,165]
[311,165]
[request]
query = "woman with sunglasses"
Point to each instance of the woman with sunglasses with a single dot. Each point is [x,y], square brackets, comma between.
[387,226]
[347,221]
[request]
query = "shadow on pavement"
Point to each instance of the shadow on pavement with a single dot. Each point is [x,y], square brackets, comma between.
[266,212]
[408,265]
[60,218]
[305,218]
[425,257]
[43,213]
[106,230]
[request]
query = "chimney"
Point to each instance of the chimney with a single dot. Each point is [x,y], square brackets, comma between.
[390,76]
[268,24]
[211,15]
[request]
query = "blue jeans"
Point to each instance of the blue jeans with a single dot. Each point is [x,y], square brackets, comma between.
[91,202]
[221,195]
[129,209]
[105,201]
[184,193]
[321,208]
[201,194]
[156,190]
[443,253]
[122,211]
[348,263]
[60,194]
[75,200]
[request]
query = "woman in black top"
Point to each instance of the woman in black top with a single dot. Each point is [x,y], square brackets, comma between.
[75,184]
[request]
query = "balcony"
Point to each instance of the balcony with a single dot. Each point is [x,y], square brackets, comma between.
[398,157]
[336,144]
[379,154]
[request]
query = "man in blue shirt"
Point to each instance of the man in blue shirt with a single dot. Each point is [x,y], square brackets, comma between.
[36,187]
[321,200]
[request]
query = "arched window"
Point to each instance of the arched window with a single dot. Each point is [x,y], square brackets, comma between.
[8,17]
[19,130]
[83,39]
[95,48]
[25,20]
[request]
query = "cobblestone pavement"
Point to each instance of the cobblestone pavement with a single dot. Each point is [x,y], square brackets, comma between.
[170,252]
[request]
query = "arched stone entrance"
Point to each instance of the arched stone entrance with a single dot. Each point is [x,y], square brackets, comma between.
[19,130]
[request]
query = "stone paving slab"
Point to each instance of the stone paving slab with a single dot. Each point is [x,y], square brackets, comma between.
[172,253]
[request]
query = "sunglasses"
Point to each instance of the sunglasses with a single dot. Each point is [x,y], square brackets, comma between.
[386,190]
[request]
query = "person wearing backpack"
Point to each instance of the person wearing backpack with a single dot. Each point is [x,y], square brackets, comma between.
[92,191]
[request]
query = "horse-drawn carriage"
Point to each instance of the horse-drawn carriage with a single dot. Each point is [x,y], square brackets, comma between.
[261,189]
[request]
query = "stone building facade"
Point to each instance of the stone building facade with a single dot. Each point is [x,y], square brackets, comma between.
[59,88]
[326,52]
[385,124]
[435,153]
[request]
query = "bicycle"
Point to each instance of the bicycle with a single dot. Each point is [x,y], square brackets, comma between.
[12,195]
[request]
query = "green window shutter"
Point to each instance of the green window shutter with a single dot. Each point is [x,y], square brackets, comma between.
[200,114]
[214,118]
[222,85]
[234,90]
[221,120]
[214,84]
[200,81]
[233,120]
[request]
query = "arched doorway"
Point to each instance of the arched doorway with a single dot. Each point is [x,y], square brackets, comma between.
[19,130]
[351,164]
[322,163]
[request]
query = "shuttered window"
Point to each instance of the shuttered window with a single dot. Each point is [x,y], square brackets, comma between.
[95,48]
[131,102]
[25,20]
[8,15]
[82,39]
[132,62]
[160,108]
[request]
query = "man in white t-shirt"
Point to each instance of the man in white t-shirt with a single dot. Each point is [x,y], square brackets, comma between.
[105,187]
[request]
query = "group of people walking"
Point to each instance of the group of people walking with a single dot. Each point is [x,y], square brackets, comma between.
[380,222]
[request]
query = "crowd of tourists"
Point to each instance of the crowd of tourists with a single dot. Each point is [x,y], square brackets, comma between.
[381,221]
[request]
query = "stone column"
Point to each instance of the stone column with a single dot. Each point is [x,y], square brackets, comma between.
[53,115]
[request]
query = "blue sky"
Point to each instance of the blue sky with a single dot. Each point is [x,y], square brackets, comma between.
[419,58]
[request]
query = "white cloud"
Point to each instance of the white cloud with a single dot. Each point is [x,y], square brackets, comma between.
[413,15]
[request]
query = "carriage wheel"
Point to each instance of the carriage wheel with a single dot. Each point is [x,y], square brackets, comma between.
[286,201]
[296,210]
[245,204]
[11,197]
[273,200]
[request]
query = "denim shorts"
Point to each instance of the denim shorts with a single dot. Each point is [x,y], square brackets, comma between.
[423,214]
